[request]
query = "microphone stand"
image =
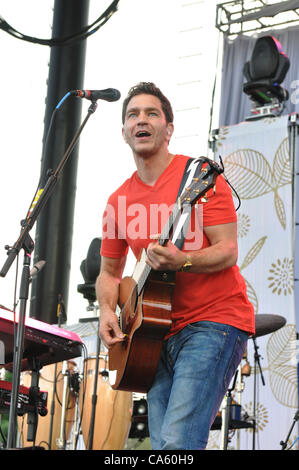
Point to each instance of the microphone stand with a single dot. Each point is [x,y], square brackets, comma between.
[26,243]
[256,362]
[52,412]
[95,386]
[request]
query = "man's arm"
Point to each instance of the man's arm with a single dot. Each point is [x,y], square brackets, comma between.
[221,254]
[107,291]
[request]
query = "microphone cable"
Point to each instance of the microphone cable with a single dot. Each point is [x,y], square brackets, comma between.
[230,185]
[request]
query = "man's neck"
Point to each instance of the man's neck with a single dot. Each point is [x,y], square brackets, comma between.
[151,167]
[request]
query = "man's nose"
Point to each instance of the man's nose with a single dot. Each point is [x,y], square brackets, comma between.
[142,118]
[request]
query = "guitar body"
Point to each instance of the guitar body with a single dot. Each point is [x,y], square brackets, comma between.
[145,319]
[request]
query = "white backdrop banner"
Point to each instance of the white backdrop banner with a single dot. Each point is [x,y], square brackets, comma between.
[257,163]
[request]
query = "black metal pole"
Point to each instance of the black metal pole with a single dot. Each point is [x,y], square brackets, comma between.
[54,230]
[18,354]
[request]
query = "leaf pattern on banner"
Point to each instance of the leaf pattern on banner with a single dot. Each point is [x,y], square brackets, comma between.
[249,258]
[251,175]
[280,210]
[281,352]
[282,174]
[252,296]
[249,172]
[253,252]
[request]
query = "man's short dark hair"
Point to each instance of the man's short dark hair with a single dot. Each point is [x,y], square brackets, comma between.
[148,88]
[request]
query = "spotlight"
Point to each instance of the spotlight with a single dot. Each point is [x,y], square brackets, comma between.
[265,72]
[139,426]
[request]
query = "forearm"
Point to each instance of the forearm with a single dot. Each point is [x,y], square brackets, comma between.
[107,291]
[221,253]
[213,258]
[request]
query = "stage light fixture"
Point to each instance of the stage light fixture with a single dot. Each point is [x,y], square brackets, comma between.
[90,268]
[265,72]
[139,426]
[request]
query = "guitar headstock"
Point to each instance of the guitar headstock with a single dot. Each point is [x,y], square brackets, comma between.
[202,183]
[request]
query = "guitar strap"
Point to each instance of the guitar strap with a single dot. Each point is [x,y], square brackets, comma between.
[192,170]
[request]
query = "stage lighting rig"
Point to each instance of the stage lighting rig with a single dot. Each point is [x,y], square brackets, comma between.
[264,73]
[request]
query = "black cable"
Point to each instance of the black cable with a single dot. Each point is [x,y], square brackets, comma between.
[45,147]
[79,36]
[231,186]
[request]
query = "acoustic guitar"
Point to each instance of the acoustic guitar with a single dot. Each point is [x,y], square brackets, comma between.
[145,298]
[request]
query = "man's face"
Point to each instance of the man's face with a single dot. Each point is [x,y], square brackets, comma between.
[145,129]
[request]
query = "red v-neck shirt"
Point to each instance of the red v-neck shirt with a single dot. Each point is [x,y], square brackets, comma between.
[135,211]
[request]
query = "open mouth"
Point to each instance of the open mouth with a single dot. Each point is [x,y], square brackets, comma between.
[141,134]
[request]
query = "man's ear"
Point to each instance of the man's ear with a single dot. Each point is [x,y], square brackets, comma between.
[124,135]
[170,129]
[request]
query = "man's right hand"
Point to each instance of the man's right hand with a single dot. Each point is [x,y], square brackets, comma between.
[110,332]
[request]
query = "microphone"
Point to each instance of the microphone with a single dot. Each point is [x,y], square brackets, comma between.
[37,268]
[109,94]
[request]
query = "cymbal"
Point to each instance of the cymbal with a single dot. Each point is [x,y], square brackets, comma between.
[267,323]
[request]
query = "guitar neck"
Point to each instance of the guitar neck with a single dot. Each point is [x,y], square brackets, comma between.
[143,278]
[165,236]
[175,228]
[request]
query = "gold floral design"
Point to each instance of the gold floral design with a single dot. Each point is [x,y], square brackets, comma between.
[281,277]
[261,415]
[251,175]
[269,120]
[243,225]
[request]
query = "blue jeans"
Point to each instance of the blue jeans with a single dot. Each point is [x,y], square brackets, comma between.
[194,373]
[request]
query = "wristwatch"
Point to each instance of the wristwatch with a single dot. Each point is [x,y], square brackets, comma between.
[187,265]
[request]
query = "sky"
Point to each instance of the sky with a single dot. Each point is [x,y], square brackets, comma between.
[173,43]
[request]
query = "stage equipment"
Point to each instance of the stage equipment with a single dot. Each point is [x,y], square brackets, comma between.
[264,325]
[264,73]
[106,413]
[295,420]
[139,427]
[25,401]
[43,342]
[237,17]
[90,268]
[53,429]
[25,243]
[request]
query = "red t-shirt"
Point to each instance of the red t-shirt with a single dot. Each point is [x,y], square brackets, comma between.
[136,210]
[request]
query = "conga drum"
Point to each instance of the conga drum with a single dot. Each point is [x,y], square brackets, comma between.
[46,384]
[113,410]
